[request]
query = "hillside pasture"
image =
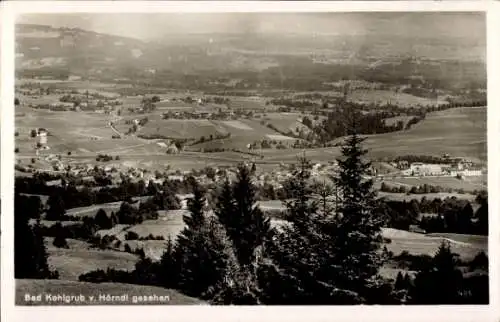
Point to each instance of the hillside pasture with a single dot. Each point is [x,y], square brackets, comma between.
[80,259]
[33,286]
[467,246]
[420,244]
[182,129]
[75,132]
[247,103]
[391,121]
[91,211]
[168,225]
[428,196]
[479,183]
[387,96]
[243,132]
[458,132]
[289,122]
[153,249]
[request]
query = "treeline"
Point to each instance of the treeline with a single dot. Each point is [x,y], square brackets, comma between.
[338,124]
[423,189]
[71,197]
[423,159]
[449,215]
[443,278]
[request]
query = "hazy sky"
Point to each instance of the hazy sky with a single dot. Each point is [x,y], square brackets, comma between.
[155,25]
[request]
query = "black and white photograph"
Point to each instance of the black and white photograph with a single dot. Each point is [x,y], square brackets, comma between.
[250,158]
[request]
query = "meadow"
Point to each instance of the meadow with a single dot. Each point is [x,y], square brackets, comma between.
[81,258]
[35,287]
[182,129]
[459,132]
[467,246]
[390,97]
[428,196]
[468,184]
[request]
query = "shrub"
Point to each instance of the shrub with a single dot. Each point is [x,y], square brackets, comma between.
[131,236]
[60,242]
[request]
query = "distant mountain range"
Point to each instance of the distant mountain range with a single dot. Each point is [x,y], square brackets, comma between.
[42,49]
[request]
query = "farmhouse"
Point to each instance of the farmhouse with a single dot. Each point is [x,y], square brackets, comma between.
[425,169]
[42,137]
[473,172]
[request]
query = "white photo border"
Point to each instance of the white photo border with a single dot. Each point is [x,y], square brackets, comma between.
[10,312]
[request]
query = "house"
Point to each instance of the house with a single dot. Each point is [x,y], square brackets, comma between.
[172,149]
[468,172]
[42,137]
[425,169]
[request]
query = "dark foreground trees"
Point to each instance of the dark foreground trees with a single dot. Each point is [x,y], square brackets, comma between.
[30,253]
[332,255]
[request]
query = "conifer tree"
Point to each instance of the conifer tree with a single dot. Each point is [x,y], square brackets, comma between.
[201,252]
[167,270]
[30,253]
[225,206]
[358,235]
[303,252]
[399,284]
[441,283]
[60,242]
[56,208]
[247,226]
[102,220]
[196,216]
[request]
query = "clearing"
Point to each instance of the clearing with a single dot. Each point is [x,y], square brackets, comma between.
[31,286]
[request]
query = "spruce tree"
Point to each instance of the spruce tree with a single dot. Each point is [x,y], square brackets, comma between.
[60,242]
[303,254]
[56,208]
[442,282]
[167,270]
[196,216]
[200,253]
[102,220]
[358,233]
[202,258]
[247,226]
[30,253]
[225,206]
[399,284]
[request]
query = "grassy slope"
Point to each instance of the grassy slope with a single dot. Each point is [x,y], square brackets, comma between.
[459,132]
[90,289]
[80,259]
[467,246]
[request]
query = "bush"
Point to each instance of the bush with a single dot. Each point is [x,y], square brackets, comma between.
[60,242]
[131,236]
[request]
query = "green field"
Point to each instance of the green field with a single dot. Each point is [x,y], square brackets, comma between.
[242,132]
[80,259]
[428,196]
[286,122]
[187,129]
[467,246]
[91,211]
[35,287]
[459,132]
[247,103]
[386,96]
[468,184]
[78,133]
